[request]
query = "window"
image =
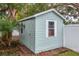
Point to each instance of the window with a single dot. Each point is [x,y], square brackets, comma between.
[51,28]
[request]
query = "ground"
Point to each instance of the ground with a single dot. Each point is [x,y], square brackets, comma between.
[9,51]
[55,52]
[21,50]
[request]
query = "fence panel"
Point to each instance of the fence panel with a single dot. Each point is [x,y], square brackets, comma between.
[71,36]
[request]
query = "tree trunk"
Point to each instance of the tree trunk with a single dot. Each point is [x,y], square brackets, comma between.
[7,38]
[4,38]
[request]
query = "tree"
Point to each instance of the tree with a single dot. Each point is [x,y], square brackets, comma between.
[13,11]
[36,8]
[6,27]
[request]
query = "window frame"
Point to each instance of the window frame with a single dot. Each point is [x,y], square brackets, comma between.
[55,28]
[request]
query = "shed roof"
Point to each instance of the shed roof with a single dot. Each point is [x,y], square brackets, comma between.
[50,10]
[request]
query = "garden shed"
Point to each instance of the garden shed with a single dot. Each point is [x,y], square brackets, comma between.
[42,31]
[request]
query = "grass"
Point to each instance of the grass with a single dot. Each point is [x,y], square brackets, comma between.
[69,53]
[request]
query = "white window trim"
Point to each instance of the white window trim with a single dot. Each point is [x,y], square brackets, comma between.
[54,26]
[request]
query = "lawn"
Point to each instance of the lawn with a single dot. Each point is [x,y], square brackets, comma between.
[69,53]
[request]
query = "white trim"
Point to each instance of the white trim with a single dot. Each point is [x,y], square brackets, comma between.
[55,22]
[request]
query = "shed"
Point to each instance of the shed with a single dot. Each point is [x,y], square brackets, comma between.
[42,31]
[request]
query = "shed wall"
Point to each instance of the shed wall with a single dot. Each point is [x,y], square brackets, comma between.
[28,35]
[42,43]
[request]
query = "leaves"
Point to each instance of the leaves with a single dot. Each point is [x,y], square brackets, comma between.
[19,11]
[7,25]
[12,10]
[36,8]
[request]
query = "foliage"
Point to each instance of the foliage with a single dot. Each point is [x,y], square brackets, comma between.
[6,27]
[18,11]
[36,8]
[70,22]
[13,9]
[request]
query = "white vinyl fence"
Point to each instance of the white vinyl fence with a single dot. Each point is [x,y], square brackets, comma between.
[71,37]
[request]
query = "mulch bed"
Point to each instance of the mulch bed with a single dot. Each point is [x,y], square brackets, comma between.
[21,50]
[24,51]
[53,52]
[9,51]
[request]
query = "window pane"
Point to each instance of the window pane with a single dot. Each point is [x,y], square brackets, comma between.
[51,25]
[51,32]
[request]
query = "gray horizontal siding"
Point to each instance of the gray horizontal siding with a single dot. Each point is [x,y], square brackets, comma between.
[28,36]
